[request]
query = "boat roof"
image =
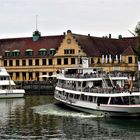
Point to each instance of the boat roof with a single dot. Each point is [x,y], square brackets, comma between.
[83,68]
[3,72]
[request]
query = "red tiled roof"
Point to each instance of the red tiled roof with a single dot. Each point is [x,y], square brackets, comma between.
[129,51]
[95,46]
[92,46]
[23,44]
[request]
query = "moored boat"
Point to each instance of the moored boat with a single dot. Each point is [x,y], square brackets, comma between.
[8,87]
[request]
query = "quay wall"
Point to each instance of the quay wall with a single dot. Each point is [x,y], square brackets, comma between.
[37,87]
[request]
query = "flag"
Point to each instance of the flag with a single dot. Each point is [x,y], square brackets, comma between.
[139,65]
[102,59]
[85,62]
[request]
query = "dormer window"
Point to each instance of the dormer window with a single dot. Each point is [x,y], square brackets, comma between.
[7,53]
[15,52]
[42,52]
[29,52]
[52,51]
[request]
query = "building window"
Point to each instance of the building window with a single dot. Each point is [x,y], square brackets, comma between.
[43,62]
[24,75]
[29,52]
[69,51]
[65,61]
[129,59]
[37,76]
[44,78]
[52,51]
[30,76]
[136,60]
[5,62]
[92,60]
[23,62]
[50,62]
[11,74]
[59,61]
[37,62]
[15,53]
[98,61]
[72,60]
[10,62]
[72,51]
[7,53]
[17,75]
[30,62]
[42,52]
[17,62]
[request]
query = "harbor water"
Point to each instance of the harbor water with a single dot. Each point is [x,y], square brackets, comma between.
[42,118]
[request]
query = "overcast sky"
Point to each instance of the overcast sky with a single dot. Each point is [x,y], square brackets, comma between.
[95,17]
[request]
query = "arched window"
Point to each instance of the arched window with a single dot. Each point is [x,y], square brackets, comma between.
[52,51]
[15,52]
[29,52]
[42,52]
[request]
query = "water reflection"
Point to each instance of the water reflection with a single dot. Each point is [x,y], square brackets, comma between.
[37,117]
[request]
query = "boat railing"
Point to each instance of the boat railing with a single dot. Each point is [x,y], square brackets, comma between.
[96,75]
[118,75]
[92,75]
[99,89]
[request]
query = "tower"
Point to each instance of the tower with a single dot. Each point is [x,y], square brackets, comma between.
[36,33]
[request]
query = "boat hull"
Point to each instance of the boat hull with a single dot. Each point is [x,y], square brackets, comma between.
[4,94]
[103,110]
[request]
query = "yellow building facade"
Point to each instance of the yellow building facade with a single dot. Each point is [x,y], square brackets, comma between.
[29,58]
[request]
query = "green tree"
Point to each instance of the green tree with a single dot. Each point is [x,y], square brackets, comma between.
[137,31]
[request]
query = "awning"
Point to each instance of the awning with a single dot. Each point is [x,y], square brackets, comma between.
[7,51]
[47,76]
[52,49]
[42,49]
[29,50]
[16,51]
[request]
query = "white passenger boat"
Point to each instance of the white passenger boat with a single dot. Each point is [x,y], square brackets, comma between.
[94,91]
[7,86]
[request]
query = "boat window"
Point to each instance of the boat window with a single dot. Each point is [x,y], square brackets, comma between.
[79,83]
[90,98]
[71,95]
[102,100]
[98,84]
[4,78]
[116,100]
[82,96]
[76,96]
[134,100]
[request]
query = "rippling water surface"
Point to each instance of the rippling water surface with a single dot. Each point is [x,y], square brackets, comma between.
[40,118]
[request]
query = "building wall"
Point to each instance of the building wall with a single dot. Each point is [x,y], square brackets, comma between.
[68,51]
[34,71]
